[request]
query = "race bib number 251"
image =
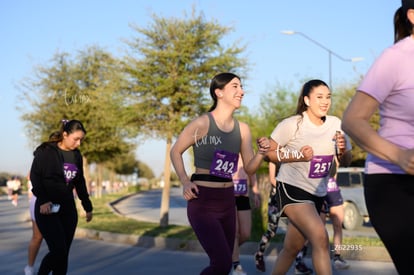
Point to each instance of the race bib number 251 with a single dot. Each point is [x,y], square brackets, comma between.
[320,166]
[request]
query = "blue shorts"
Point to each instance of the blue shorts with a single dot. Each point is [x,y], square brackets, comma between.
[334,198]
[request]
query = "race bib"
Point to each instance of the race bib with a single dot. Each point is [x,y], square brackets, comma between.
[332,186]
[70,171]
[240,186]
[320,166]
[224,164]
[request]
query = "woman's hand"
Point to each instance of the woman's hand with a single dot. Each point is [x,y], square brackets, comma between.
[190,191]
[263,145]
[340,142]
[307,152]
[88,216]
[406,160]
[46,208]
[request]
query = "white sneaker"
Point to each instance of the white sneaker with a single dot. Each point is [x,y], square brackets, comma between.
[28,270]
[239,271]
[340,263]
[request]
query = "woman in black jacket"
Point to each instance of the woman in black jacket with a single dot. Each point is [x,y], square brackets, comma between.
[56,170]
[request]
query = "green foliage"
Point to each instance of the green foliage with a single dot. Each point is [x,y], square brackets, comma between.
[275,107]
[170,65]
[86,87]
[144,171]
[340,100]
[123,164]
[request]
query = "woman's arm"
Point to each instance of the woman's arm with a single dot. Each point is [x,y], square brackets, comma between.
[252,161]
[355,123]
[36,177]
[192,132]
[81,189]
[278,153]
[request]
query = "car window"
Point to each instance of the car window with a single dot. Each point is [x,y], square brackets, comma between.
[342,179]
[356,178]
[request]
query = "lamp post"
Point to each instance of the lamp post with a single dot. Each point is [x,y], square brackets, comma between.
[330,52]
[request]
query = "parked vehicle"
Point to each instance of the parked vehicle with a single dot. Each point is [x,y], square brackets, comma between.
[350,180]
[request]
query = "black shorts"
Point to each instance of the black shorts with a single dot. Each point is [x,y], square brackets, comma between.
[243,203]
[288,194]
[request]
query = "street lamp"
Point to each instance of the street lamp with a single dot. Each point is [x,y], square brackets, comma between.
[330,52]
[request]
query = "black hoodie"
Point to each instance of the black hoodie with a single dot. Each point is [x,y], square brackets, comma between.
[48,178]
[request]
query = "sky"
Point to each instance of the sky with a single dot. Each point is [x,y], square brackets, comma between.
[33,31]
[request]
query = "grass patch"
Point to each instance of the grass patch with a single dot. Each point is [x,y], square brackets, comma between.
[104,219]
[364,241]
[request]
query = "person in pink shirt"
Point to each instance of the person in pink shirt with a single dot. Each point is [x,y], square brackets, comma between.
[388,87]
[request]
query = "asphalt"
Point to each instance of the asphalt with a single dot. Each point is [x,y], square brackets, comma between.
[95,252]
[145,207]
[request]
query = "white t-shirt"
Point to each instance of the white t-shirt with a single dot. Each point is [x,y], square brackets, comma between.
[292,134]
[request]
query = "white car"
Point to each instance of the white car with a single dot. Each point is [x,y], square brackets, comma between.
[350,181]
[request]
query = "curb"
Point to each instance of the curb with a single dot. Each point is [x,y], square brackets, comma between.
[379,254]
[351,252]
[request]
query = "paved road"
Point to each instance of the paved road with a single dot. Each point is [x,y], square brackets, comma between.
[89,257]
[145,207]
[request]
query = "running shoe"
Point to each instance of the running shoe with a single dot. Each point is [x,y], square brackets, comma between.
[239,271]
[301,268]
[28,270]
[260,264]
[339,263]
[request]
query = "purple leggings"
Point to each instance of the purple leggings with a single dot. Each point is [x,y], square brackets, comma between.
[213,218]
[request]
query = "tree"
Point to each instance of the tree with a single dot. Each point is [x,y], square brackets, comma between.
[340,101]
[123,164]
[144,171]
[86,87]
[170,65]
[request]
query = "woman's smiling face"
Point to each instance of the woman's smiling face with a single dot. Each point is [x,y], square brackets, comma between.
[318,101]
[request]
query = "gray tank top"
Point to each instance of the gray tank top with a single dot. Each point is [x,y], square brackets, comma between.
[215,140]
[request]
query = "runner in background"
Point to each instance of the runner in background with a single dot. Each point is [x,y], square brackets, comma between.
[242,185]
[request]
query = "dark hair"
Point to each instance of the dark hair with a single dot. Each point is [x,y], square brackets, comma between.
[55,136]
[218,82]
[68,126]
[306,90]
[73,126]
[402,26]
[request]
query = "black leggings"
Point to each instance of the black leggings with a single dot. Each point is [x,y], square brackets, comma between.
[213,218]
[273,216]
[58,230]
[389,199]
